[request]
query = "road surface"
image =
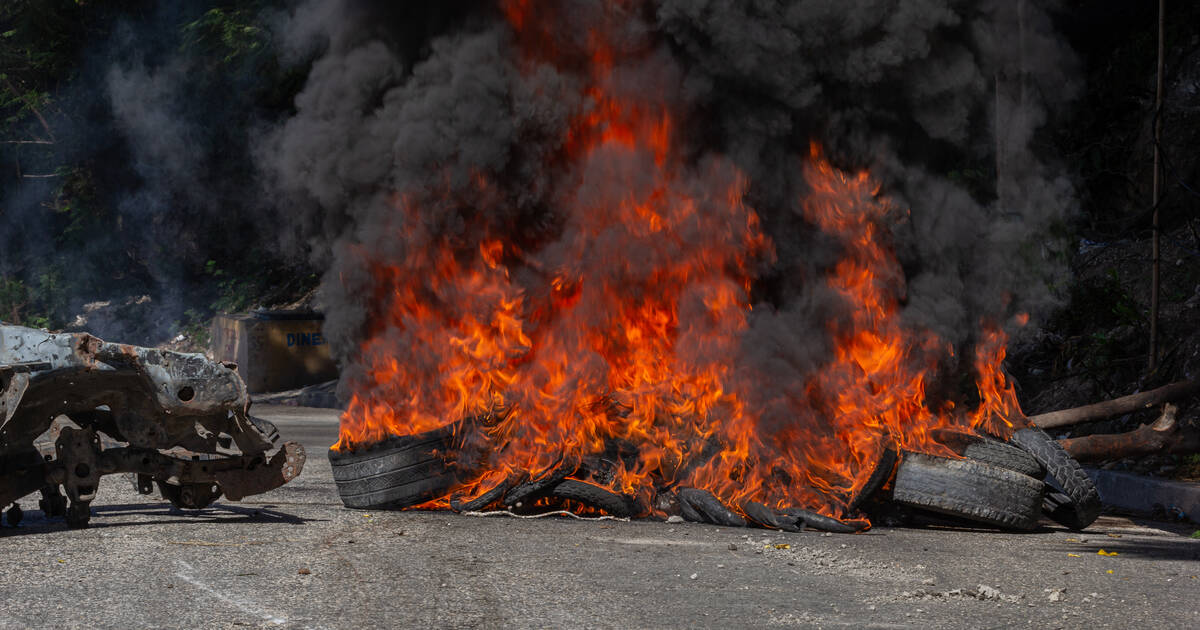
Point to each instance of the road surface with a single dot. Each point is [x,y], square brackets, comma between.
[295,558]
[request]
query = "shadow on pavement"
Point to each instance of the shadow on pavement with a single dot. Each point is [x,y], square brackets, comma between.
[1161,549]
[35,521]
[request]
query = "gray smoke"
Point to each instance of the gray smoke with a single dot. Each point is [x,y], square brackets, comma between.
[371,122]
[941,100]
[152,139]
[896,87]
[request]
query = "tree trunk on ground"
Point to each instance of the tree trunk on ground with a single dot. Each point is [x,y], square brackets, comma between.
[1161,436]
[1116,406]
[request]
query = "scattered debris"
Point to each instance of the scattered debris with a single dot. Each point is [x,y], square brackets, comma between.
[982,592]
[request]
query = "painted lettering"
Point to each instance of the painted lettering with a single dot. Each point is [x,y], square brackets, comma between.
[305,339]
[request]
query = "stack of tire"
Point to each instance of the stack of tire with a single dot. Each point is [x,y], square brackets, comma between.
[398,472]
[1003,484]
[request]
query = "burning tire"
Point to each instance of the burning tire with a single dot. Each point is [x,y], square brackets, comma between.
[975,490]
[990,451]
[611,503]
[879,476]
[1004,455]
[398,472]
[1078,503]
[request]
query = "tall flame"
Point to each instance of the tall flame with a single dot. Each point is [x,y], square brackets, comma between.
[620,340]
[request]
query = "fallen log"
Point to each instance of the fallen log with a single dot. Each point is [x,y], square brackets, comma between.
[1116,406]
[1161,436]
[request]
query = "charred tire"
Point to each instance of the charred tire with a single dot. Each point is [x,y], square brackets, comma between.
[709,508]
[827,523]
[766,517]
[880,475]
[1004,455]
[398,472]
[970,489]
[482,501]
[611,503]
[1078,505]
[989,450]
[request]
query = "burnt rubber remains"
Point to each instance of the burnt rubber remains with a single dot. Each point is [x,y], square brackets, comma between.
[988,481]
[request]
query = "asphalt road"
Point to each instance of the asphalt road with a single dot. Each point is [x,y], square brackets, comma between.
[295,558]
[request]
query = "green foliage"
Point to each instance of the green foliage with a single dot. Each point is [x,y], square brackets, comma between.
[1100,304]
[14,297]
[227,35]
[44,47]
[233,294]
[1103,328]
[1195,534]
[18,304]
[79,215]
[196,327]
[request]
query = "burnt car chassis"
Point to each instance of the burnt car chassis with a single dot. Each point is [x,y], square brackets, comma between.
[179,421]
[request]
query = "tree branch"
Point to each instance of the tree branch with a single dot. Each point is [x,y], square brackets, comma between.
[1117,406]
[1162,436]
[41,119]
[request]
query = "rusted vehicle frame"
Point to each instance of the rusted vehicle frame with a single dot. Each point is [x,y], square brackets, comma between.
[176,420]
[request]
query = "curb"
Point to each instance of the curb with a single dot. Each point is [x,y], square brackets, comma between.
[1146,494]
[321,395]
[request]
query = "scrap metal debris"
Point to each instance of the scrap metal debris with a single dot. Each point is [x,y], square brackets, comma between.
[177,421]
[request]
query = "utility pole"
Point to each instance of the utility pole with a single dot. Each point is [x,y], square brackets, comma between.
[1154,255]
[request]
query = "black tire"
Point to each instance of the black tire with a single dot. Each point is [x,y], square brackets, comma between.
[398,472]
[533,490]
[610,502]
[827,523]
[710,507]
[989,450]
[1078,505]
[482,501]
[879,476]
[974,490]
[764,516]
[1004,455]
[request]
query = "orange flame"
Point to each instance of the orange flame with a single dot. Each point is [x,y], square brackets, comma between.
[620,341]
